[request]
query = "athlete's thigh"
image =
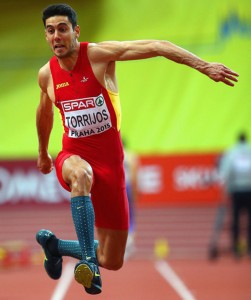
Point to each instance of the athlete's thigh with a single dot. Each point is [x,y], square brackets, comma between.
[112,243]
[109,198]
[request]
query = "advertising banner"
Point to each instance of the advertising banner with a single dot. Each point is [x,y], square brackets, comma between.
[161,179]
[21,182]
[179,179]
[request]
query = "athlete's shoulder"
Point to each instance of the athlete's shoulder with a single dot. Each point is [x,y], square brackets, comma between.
[44,70]
[44,75]
[100,48]
[106,52]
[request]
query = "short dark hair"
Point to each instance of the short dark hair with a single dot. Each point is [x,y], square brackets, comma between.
[60,10]
[242,137]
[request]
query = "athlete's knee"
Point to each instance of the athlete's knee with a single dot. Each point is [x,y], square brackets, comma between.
[81,181]
[113,264]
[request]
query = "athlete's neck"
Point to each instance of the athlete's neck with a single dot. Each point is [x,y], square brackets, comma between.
[68,62]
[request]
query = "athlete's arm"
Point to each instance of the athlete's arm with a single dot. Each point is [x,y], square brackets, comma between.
[132,50]
[44,123]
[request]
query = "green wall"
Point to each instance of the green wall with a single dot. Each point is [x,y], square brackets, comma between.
[166,107]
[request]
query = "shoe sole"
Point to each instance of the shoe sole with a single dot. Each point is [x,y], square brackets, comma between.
[84,275]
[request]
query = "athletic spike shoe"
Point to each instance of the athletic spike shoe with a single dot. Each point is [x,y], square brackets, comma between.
[52,264]
[87,273]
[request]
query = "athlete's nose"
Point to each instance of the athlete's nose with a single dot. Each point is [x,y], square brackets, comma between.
[57,35]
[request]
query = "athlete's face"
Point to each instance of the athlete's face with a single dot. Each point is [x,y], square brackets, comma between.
[60,35]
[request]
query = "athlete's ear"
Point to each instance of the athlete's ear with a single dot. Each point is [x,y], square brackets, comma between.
[46,36]
[77,31]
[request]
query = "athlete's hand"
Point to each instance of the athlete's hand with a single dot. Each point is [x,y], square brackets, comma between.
[219,72]
[44,163]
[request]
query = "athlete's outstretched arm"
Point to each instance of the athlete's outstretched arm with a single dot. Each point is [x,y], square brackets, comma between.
[132,50]
[44,123]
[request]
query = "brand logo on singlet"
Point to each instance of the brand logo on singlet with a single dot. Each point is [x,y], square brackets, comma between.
[86,116]
[78,104]
[99,100]
[61,85]
[85,79]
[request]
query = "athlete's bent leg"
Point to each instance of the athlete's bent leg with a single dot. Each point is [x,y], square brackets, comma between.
[111,250]
[77,173]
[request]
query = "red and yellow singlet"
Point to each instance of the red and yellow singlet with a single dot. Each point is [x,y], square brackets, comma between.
[91,118]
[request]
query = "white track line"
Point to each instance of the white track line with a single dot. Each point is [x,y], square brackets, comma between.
[172,278]
[64,282]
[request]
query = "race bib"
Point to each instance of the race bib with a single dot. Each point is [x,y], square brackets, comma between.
[87,116]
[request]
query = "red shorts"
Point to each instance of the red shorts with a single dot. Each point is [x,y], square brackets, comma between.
[108,194]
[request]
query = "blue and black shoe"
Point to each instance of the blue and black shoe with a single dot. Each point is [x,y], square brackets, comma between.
[87,273]
[52,264]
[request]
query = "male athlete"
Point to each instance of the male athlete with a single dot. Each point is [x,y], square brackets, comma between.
[80,81]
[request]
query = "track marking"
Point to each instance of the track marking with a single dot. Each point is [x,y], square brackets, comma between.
[172,278]
[64,282]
